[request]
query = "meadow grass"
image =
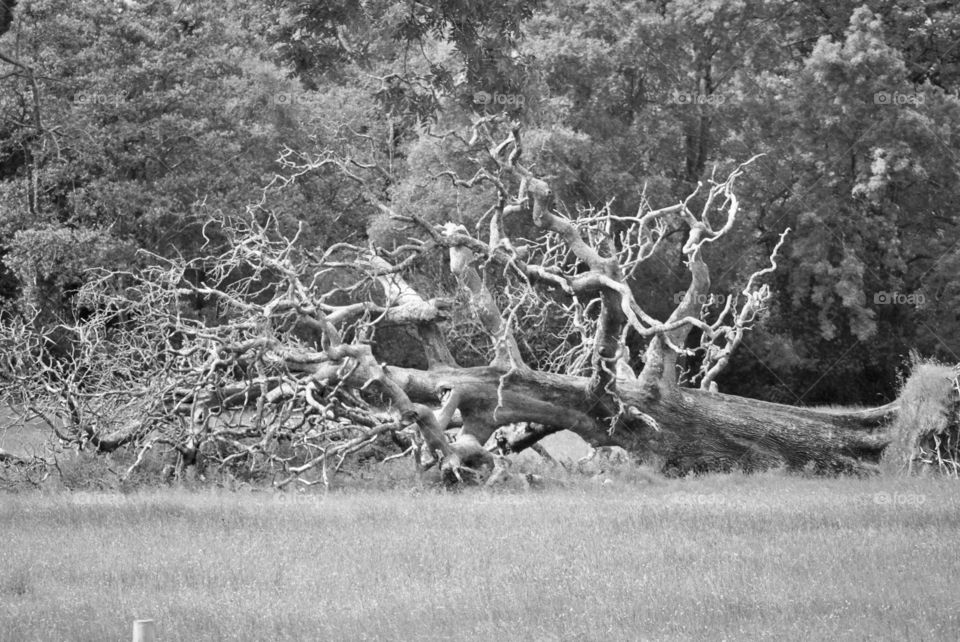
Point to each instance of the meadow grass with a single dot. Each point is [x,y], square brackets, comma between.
[718,557]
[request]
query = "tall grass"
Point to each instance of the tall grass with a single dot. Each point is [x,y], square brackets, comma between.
[728,557]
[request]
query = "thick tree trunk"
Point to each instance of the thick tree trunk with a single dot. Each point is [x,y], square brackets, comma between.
[705,430]
[698,430]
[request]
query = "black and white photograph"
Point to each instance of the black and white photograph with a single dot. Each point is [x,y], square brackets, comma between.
[433,320]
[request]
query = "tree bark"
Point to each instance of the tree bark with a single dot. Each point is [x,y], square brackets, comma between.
[698,430]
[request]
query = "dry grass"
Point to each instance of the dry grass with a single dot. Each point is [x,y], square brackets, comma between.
[926,428]
[719,557]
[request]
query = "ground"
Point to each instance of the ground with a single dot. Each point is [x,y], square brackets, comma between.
[716,557]
[21,441]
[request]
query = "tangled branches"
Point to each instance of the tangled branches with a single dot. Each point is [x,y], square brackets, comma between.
[262,357]
[238,360]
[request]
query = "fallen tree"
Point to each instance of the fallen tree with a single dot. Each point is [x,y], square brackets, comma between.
[286,376]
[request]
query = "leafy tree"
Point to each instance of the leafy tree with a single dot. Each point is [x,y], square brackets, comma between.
[153,116]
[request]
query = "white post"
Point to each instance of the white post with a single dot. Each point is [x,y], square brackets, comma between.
[144,631]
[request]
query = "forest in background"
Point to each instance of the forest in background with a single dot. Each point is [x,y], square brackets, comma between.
[125,126]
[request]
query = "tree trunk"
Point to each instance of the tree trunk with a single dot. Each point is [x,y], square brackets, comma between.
[698,430]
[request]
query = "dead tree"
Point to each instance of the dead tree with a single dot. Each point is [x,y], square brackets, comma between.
[292,360]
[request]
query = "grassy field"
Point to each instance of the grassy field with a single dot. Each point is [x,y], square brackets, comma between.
[724,557]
